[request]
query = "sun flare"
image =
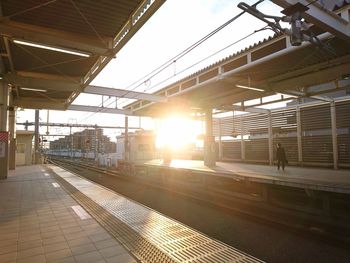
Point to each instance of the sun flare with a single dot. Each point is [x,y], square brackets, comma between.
[177,133]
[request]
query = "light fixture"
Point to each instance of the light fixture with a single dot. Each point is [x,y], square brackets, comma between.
[251,88]
[38,90]
[346,76]
[63,50]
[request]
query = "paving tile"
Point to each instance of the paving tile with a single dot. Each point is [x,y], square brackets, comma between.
[8,249]
[123,258]
[8,257]
[91,257]
[9,236]
[99,237]
[57,255]
[112,251]
[48,224]
[106,243]
[30,252]
[64,260]
[6,243]
[29,244]
[28,232]
[56,246]
[53,240]
[95,231]
[35,259]
[49,228]
[83,249]
[79,242]
[75,229]
[87,222]
[29,227]
[33,237]
[69,224]
[8,231]
[63,216]
[50,234]
[70,236]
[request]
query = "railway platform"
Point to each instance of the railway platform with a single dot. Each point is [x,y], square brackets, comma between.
[48,214]
[312,178]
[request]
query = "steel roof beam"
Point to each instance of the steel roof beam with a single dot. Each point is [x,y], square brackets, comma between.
[250,109]
[51,37]
[321,17]
[39,103]
[310,79]
[43,81]
[123,93]
[98,109]
[329,86]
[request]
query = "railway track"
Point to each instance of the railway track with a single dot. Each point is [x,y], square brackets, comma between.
[294,222]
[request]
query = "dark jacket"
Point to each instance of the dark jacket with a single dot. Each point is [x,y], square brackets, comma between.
[281,154]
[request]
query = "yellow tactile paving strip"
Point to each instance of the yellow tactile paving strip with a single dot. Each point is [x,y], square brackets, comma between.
[150,236]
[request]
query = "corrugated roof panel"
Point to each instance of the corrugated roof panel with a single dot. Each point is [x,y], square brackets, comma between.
[106,17]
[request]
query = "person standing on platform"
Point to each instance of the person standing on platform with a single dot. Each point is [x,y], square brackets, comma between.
[281,156]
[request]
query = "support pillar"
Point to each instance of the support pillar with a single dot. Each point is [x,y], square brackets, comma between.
[4,152]
[12,134]
[299,136]
[209,143]
[36,139]
[270,134]
[96,144]
[220,142]
[126,140]
[242,138]
[71,142]
[334,135]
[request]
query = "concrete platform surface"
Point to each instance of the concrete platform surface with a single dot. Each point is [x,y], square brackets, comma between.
[40,222]
[47,214]
[312,178]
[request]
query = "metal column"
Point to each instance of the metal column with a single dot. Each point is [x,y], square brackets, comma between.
[36,138]
[126,140]
[242,138]
[209,143]
[220,142]
[334,135]
[96,144]
[71,141]
[4,154]
[12,134]
[299,136]
[270,134]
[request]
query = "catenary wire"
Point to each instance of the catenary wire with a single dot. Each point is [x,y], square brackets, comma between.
[236,42]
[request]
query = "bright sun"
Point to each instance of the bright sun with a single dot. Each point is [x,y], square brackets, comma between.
[177,132]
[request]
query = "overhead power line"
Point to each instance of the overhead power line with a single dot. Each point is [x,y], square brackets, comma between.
[168,63]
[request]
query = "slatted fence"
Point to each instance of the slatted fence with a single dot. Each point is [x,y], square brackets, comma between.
[245,137]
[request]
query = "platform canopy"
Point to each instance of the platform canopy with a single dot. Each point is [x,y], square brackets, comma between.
[268,68]
[51,50]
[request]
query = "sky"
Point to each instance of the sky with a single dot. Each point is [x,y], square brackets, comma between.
[174,27]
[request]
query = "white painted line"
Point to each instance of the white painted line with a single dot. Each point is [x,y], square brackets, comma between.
[80,212]
[56,185]
[46,174]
